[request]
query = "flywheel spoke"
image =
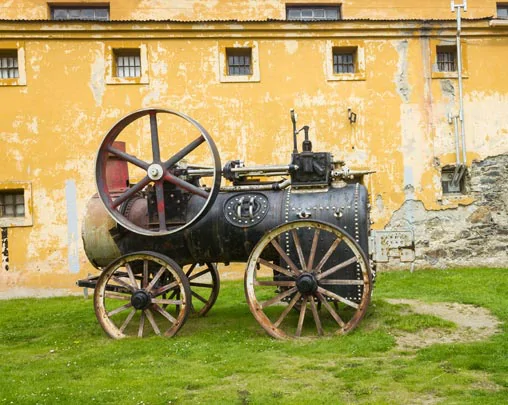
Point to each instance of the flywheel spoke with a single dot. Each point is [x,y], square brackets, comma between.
[161,208]
[128,158]
[131,192]
[184,152]
[154,132]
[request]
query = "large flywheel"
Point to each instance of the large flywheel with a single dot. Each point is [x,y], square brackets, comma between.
[159,173]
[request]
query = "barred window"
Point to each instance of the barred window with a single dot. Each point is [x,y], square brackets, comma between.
[128,62]
[313,13]
[9,64]
[93,13]
[343,61]
[502,10]
[446,59]
[239,61]
[12,203]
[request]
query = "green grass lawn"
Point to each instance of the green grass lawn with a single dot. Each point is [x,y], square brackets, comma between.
[53,351]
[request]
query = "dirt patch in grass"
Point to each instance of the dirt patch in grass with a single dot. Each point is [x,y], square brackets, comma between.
[473,324]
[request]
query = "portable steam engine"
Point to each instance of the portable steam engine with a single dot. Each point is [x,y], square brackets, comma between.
[302,229]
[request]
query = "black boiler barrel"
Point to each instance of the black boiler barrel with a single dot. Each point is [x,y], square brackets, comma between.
[238,220]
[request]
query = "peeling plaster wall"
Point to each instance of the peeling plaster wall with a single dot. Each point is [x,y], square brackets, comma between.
[186,10]
[51,127]
[469,235]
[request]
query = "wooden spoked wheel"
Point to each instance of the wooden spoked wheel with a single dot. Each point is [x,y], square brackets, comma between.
[142,294]
[158,171]
[307,278]
[204,283]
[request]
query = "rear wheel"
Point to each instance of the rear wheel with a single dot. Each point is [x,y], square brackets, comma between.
[307,278]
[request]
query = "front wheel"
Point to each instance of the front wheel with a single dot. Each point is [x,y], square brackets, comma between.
[142,294]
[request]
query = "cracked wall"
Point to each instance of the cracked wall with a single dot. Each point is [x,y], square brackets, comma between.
[474,235]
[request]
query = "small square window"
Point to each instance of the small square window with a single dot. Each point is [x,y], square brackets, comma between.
[128,62]
[12,203]
[448,174]
[9,64]
[502,10]
[446,58]
[344,60]
[239,61]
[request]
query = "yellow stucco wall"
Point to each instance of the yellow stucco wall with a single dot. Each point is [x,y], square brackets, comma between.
[249,9]
[52,125]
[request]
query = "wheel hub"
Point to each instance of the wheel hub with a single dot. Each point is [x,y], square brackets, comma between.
[140,299]
[155,171]
[306,284]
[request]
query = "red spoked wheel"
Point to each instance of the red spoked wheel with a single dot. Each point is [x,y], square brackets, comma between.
[156,172]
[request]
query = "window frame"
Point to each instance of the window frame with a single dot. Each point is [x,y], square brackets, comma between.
[313,7]
[502,6]
[127,53]
[27,218]
[112,49]
[222,50]
[19,49]
[443,44]
[238,53]
[357,49]
[447,50]
[79,6]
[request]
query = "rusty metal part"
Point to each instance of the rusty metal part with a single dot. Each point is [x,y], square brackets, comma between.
[158,172]
[317,266]
[204,283]
[141,294]
[98,243]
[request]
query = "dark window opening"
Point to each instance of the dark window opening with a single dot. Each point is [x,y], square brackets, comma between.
[502,10]
[239,61]
[448,175]
[446,58]
[12,203]
[93,13]
[9,64]
[344,60]
[313,12]
[128,62]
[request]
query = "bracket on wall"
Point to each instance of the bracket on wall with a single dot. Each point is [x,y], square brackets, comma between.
[351,116]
